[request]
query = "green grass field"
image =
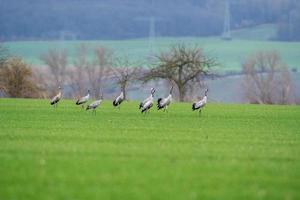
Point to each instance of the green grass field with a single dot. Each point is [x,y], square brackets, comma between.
[230,152]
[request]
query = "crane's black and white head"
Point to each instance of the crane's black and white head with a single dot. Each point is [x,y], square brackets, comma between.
[206,92]
[88,91]
[152,91]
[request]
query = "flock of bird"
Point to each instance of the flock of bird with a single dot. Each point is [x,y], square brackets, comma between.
[145,106]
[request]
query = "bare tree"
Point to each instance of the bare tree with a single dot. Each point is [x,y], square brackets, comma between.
[182,65]
[99,71]
[16,79]
[77,75]
[125,72]
[57,61]
[267,79]
[39,77]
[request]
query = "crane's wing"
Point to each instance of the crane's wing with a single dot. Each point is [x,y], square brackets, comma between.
[83,99]
[55,99]
[94,104]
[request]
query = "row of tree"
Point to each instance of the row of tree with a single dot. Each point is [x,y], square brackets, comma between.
[266,78]
[119,19]
[181,66]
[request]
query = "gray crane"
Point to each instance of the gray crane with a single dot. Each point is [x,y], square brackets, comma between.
[119,99]
[54,101]
[200,104]
[95,104]
[163,103]
[84,99]
[147,103]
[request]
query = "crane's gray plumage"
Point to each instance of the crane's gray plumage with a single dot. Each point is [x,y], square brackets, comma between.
[84,99]
[147,103]
[200,104]
[95,104]
[163,103]
[119,99]
[54,101]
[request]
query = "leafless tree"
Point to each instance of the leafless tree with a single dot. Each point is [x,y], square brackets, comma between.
[39,75]
[56,61]
[267,79]
[16,79]
[182,65]
[125,72]
[99,71]
[76,74]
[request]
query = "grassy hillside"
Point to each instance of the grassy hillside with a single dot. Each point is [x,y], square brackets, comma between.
[231,152]
[261,32]
[230,54]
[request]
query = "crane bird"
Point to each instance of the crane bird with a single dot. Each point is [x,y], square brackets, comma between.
[147,103]
[54,101]
[163,103]
[95,104]
[200,104]
[119,99]
[84,99]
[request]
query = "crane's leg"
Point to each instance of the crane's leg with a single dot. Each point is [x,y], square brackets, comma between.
[200,112]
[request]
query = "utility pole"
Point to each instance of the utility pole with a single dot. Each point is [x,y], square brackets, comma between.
[226,31]
[152,35]
[151,40]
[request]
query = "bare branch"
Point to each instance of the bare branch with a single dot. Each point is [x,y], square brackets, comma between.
[267,79]
[182,65]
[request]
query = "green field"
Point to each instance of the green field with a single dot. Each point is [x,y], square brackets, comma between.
[230,152]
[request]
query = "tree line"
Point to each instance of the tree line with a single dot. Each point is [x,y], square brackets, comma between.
[119,19]
[266,78]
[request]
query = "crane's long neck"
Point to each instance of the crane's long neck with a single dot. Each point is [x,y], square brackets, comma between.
[152,95]
[169,97]
[171,90]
